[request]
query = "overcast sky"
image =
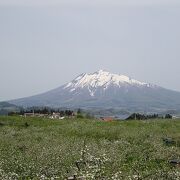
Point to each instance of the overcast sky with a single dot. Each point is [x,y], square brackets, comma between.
[46,43]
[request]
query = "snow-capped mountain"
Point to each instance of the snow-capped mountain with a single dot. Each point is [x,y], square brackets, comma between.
[103,89]
[102,79]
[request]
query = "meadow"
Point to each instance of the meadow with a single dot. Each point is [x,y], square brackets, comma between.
[37,148]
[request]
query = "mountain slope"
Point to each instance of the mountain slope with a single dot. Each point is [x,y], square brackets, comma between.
[105,90]
[6,107]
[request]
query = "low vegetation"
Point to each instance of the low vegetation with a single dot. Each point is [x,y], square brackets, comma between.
[37,148]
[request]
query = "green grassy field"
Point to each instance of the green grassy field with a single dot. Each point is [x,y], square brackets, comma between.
[34,148]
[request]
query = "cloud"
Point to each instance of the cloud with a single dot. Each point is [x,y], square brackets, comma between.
[87,2]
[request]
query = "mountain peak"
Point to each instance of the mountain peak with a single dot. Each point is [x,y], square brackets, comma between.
[102,79]
[101,71]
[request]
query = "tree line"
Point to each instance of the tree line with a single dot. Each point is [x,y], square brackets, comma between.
[138,116]
[43,110]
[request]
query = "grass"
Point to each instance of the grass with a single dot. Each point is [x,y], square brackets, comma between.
[35,148]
